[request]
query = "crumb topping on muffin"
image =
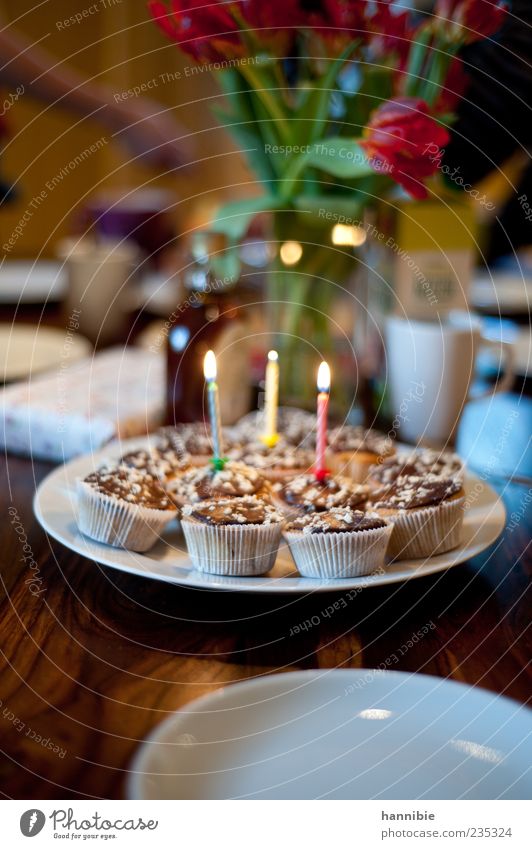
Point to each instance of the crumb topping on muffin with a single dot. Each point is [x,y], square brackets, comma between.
[129,484]
[205,482]
[192,438]
[248,510]
[357,438]
[282,456]
[337,520]
[308,493]
[411,491]
[160,462]
[417,463]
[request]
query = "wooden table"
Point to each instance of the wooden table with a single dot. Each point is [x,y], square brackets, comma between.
[94,658]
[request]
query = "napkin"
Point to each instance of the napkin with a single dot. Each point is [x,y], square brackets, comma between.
[80,406]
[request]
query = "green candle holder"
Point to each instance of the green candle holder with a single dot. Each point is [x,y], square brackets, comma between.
[218,463]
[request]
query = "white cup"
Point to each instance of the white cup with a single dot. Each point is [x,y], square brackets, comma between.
[430,367]
[98,291]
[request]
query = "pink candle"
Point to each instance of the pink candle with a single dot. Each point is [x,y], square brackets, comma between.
[324,385]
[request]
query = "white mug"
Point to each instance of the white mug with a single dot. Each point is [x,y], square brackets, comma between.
[98,291]
[429,369]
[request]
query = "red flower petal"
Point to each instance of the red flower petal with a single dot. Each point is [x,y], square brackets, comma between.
[404,141]
[208,33]
[163,18]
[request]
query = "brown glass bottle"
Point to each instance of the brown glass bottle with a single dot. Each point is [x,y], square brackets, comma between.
[207,317]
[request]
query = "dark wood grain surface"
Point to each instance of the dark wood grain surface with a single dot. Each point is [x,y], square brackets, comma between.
[93,658]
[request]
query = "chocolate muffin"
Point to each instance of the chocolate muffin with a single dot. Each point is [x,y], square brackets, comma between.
[279,463]
[305,493]
[352,450]
[162,462]
[232,536]
[338,520]
[338,543]
[415,463]
[194,440]
[205,482]
[124,507]
[427,512]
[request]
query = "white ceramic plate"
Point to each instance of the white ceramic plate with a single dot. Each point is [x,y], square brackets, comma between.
[55,508]
[27,350]
[340,734]
[28,282]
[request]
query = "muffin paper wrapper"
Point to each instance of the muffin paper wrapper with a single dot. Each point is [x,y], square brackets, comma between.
[339,555]
[118,523]
[427,531]
[232,549]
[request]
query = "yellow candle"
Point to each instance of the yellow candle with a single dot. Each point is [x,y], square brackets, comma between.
[270,435]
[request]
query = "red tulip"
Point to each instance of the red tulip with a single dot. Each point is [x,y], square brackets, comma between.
[345,15]
[403,141]
[275,22]
[335,22]
[209,33]
[390,30]
[271,14]
[470,20]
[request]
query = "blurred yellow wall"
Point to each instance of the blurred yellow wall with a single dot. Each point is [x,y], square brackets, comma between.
[121,46]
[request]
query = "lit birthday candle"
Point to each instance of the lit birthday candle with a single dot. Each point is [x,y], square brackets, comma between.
[324,386]
[209,370]
[270,436]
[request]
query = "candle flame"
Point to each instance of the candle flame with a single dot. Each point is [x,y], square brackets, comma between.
[273,356]
[324,378]
[209,366]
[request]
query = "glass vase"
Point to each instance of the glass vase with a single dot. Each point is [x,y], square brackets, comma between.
[328,295]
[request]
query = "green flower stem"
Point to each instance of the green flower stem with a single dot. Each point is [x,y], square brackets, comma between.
[335,269]
[311,290]
[272,105]
[301,280]
[292,174]
[275,290]
[267,128]
[293,286]
[417,59]
[442,55]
